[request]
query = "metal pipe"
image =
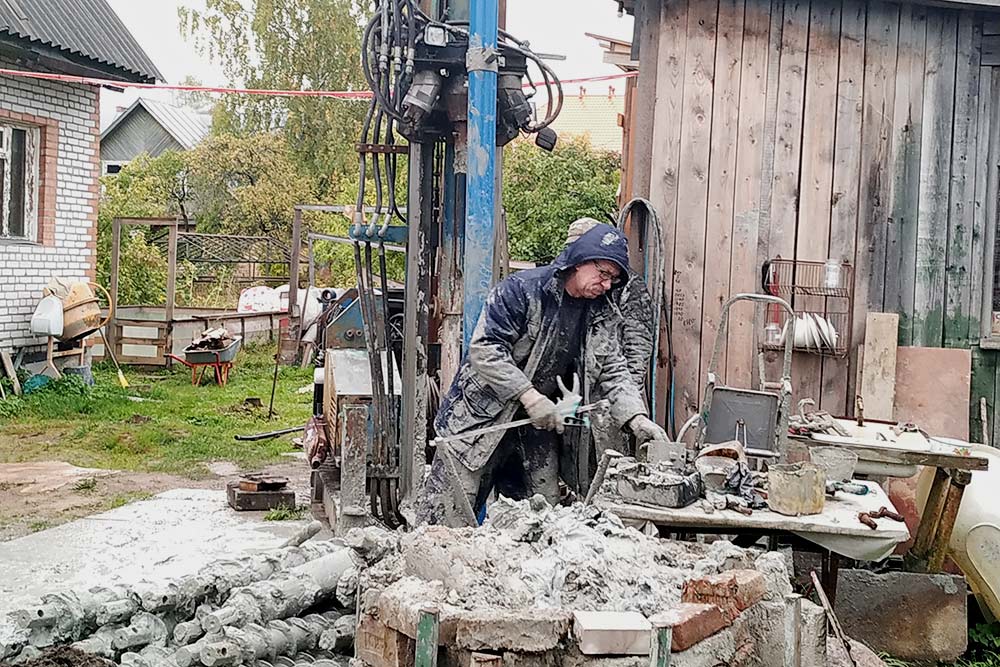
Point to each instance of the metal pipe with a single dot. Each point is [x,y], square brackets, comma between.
[481,62]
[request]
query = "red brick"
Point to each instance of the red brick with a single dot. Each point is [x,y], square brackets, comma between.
[691,623]
[732,591]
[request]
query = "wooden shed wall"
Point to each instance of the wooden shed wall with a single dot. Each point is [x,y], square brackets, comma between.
[846,129]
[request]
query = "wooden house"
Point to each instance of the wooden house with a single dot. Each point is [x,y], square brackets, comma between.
[865,132]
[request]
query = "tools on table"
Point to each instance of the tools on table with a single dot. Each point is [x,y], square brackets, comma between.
[868,518]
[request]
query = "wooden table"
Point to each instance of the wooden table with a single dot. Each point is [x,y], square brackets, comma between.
[835,529]
[954,467]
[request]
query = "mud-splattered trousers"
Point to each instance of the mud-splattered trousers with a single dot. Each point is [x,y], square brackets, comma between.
[636,307]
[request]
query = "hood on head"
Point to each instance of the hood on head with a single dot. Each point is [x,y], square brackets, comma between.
[579,227]
[601,242]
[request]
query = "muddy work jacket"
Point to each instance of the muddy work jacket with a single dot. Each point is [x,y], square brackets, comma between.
[518,326]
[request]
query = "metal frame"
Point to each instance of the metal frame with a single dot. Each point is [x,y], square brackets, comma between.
[784,389]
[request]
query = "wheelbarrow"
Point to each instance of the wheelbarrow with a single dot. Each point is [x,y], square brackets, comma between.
[220,361]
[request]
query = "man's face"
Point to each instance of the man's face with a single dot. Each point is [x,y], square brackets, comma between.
[592,279]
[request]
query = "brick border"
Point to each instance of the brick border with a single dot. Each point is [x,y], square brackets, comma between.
[48,182]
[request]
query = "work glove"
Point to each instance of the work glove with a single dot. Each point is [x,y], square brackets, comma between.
[543,412]
[646,430]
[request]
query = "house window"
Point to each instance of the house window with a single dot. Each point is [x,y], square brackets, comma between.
[19,157]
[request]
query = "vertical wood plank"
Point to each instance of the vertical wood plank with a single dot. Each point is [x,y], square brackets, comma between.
[747,205]
[987,110]
[992,195]
[959,261]
[846,181]
[901,252]
[876,126]
[644,98]
[721,185]
[983,385]
[692,202]
[935,170]
[788,137]
[816,179]
[787,147]
[665,158]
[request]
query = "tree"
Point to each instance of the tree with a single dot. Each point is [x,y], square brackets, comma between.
[144,188]
[297,45]
[544,192]
[246,184]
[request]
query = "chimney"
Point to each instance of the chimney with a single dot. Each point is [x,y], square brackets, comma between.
[120,110]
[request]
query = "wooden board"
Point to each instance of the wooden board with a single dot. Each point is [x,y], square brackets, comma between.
[816,179]
[901,454]
[983,379]
[719,226]
[878,375]
[992,194]
[788,145]
[692,203]
[936,144]
[747,206]
[987,107]
[933,388]
[959,262]
[839,517]
[788,137]
[667,140]
[8,367]
[901,250]
[876,158]
[991,51]
[846,181]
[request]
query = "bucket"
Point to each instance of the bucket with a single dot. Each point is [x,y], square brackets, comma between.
[837,462]
[82,312]
[795,489]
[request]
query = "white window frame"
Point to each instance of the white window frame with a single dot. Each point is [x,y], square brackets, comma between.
[32,158]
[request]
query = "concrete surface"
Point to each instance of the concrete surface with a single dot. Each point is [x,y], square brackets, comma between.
[909,616]
[169,535]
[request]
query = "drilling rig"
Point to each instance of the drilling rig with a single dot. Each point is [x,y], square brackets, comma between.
[450,89]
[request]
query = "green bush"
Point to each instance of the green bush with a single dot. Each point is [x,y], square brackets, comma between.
[545,192]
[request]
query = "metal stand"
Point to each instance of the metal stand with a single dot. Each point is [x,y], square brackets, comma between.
[930,548]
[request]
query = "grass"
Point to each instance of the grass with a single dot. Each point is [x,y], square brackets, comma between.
[125,498]
[175,428]
[86,485]
[285,514]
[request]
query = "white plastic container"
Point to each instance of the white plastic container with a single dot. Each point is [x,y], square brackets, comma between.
[48,317]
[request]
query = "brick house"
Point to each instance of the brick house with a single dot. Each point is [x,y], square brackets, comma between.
[49,145]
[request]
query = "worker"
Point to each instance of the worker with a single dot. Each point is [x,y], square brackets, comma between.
[636,330]
[538,329]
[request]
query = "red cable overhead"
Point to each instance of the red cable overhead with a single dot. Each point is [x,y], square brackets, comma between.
[337,94]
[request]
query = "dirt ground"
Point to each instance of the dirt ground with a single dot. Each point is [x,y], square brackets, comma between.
[39,495]
[64,656]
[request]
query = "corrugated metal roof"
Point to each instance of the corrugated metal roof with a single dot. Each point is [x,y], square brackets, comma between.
[88,28]
[186,126]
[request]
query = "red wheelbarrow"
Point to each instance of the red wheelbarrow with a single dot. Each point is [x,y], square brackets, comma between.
[220,361]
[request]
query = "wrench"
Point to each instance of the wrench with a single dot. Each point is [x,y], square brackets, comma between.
[465,435]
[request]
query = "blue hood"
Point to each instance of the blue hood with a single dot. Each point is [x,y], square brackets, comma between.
[601,242]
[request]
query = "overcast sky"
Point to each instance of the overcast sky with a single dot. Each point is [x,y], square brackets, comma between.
[552,26]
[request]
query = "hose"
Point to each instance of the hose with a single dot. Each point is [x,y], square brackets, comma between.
[657,279]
